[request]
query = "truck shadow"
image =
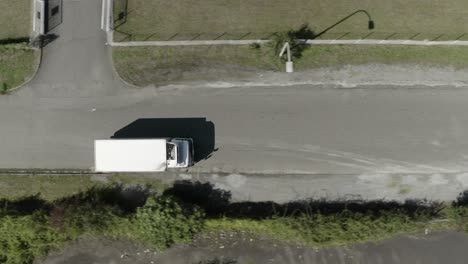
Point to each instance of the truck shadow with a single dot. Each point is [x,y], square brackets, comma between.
[217,203]
[199,129]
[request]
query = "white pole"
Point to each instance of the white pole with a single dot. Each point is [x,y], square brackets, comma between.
[34,16]
[108,16]
[103,14]
[43,18]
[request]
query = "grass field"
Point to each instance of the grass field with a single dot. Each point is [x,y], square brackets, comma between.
[51,187]
[253,19]
[150,65]
[160,65]
[15,19]
[17,61]
[17,64]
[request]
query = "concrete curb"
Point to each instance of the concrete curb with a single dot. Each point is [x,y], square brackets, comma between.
[303,41]
[47,171]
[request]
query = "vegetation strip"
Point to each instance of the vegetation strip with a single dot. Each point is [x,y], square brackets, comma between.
[144,66]
[18,63]
[34,225]
[147,20]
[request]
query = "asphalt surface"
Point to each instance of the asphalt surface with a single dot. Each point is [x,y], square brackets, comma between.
[77,98]
[299,129]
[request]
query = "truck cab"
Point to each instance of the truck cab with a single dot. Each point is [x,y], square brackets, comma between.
[179,152]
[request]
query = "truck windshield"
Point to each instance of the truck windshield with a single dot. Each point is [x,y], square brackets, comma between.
[171,153]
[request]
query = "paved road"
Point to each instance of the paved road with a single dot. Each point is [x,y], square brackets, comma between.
[76,98]
[274,129]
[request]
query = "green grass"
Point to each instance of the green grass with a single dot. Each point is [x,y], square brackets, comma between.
[74,206]
[320,230]
[156,65]
[17,64]
[250,19]
[17,61]
[336,55]
[52,187]
[15,19]
[161,65]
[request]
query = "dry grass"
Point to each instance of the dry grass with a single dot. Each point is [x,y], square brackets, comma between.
[162,65]
[52,187]
[247,19]
[15,18]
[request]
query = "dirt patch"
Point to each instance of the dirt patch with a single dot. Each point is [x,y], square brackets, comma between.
[88,250]
[242,248]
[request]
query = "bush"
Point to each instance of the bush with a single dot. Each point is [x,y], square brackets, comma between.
[94,212]
[162,221]
[23,238]
[321,230]
[3,88]
[90,220]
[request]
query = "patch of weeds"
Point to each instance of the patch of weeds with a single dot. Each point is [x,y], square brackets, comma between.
[3,88]
[404,189]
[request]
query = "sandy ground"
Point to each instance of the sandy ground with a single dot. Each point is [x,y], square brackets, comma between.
[446,247]
[345,76]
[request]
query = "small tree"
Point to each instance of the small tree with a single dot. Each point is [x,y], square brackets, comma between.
[163,221]
[293,37]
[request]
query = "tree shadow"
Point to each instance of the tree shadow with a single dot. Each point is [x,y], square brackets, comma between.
[124,199]
[216,203]
[13,41]
[120,13]
[303,33]
[24,206]
[199,129]
[462,199]
[43,40]
[296,40]
[213,201]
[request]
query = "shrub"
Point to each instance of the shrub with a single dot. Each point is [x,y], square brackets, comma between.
[321,230]
[87,219]
[162,221]
[95,212]
[23,238]
[3,88]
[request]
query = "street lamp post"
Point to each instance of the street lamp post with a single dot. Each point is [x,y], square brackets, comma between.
[370,22]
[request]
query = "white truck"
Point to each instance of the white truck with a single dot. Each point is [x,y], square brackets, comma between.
[142,155]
